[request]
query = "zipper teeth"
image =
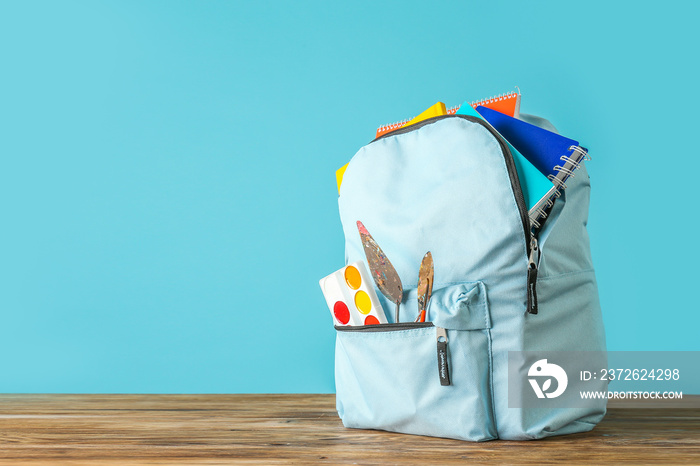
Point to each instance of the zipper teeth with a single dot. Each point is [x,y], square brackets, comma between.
[384,327]
[515,185]
[414,126]
[507,155]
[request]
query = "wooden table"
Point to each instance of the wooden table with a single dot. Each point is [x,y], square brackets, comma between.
[302,429]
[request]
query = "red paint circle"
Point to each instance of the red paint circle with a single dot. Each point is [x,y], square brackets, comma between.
[371,320]
[341,312]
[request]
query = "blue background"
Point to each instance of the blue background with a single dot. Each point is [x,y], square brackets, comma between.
[167,187]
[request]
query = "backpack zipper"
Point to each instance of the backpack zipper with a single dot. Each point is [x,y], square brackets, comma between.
[532,276]
[383,327]
[440,334]
[531,249]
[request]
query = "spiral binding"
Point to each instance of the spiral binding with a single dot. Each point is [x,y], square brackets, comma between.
[392,126]
[564,172]
[496,98]
[557,182]
[579,150]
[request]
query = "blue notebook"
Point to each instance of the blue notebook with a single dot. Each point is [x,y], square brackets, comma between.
[544,149]
[554,156]
[534,184]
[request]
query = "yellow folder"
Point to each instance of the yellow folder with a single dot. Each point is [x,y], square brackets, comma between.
[432,111]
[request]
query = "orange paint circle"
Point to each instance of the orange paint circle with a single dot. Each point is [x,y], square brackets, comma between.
[352,277]
[371,320]
[362,302]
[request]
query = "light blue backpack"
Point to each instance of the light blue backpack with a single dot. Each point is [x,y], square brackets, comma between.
[449,185]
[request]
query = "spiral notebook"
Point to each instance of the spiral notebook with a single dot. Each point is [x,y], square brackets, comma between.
[508,103]
[555,156]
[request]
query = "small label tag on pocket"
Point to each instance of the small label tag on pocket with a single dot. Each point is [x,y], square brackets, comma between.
[443,366]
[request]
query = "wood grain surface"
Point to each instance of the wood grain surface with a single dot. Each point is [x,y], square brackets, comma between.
[304,429]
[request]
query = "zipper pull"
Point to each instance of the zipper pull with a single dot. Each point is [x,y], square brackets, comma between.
[443,367]
[532,276]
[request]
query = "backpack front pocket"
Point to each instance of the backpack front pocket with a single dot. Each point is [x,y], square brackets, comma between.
[421,378]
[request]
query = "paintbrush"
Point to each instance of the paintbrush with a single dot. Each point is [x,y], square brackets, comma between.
[425,285]
[382,271]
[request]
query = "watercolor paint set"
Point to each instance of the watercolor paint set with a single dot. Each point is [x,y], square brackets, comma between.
[351,297]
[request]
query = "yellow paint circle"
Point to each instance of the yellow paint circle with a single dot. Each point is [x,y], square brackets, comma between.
[362,302]
[352,277]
